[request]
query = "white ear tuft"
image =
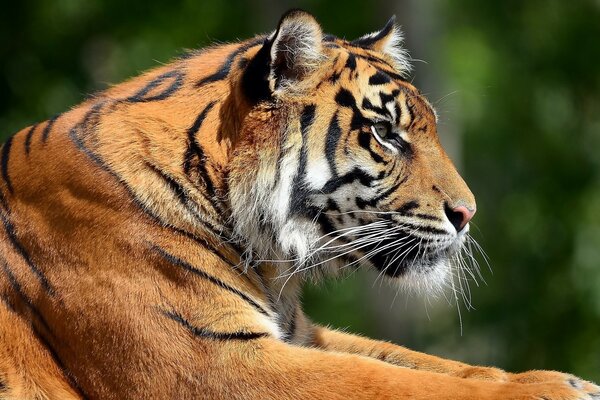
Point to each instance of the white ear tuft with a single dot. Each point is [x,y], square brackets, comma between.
[389,42]
[296,49]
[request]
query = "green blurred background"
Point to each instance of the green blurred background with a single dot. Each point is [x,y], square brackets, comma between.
[517,87]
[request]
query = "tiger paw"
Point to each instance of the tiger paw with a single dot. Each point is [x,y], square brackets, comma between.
[539,376]
[569,388]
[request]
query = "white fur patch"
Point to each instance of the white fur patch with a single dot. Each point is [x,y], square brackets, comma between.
[317,173]
[391,45]
[393,48]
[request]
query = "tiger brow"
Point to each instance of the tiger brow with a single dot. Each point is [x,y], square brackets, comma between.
[382,111]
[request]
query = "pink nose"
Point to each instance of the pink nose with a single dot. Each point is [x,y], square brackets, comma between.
[459,216]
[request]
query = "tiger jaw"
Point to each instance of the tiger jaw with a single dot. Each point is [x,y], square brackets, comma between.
[417,260]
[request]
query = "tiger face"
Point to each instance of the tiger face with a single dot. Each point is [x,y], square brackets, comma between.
[352,172]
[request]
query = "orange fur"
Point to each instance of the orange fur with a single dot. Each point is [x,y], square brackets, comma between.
[122,275]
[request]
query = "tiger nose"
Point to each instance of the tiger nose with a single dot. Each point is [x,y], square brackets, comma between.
[459,216]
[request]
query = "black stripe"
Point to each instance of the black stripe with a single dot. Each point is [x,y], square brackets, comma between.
[364,140]
[389,69]
[372,59]
[427,229]
[325,222]
[77,140]
[388,97]
[355,175]
[351,62]
[182,196]
[188,267]
[225,68]
[4,163]
[73,134]
[175,187]
[367,105]
[201,241]
[398,113]
[10,231]
[332,205]
[361,203]
[428,217]
[299,191]
[7,303]
[3,203]
[333,137]
[195,151]
[48,128]
[208,334]
[334,77]
[16,286]
[142,95]
[407,207]
[380,78]
[28,137]
[198,122]
[394,75]
[345,98]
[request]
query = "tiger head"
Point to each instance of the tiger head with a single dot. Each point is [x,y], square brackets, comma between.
[339,163]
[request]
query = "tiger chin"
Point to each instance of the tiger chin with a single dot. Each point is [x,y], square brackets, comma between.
[154,239]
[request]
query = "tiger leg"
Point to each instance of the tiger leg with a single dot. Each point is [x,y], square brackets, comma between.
[27,370]
[333,340]
[270,369]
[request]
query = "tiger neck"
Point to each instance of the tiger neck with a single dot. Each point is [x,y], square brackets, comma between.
[172,154]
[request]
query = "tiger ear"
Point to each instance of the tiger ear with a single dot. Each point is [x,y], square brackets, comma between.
[296,49]
[287,56]
[387,41]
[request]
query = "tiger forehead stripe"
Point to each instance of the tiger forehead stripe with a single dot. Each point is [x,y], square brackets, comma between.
[350,62]
[379,78]
[346,99]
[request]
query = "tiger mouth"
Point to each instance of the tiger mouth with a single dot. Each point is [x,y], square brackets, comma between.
[396,261]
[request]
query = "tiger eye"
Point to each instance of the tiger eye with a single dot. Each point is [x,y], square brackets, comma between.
[382,129]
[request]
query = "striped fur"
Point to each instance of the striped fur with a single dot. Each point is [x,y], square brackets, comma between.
[155,238]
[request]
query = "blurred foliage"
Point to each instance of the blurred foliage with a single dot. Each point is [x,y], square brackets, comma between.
[525,86]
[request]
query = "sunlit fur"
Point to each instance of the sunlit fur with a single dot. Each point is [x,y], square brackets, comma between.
[154,239]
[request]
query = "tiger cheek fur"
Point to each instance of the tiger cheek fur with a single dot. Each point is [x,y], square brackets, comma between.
[155,238]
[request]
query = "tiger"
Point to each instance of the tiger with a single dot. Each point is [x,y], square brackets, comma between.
[156,237]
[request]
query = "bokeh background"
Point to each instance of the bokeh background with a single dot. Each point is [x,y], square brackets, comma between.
[517,87]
